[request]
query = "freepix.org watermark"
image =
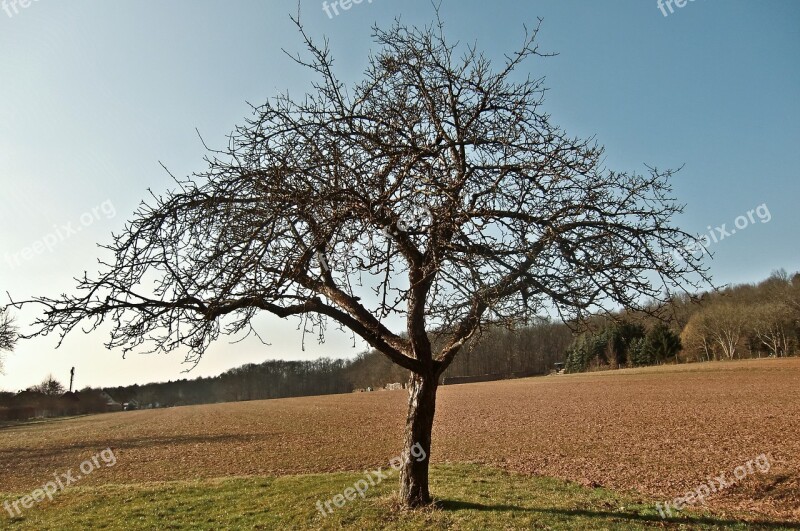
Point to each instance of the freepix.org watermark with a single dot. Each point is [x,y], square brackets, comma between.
[12,7]
[60,482]
[373,479]
[60,234]
[714,485]
[332,9]
[760,214]
[663,5]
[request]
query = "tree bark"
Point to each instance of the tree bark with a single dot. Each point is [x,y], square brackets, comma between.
[414,490]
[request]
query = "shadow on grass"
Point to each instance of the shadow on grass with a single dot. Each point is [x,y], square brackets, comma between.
[145,442]
[457,505]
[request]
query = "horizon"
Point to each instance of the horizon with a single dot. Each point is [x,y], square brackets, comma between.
[367,350]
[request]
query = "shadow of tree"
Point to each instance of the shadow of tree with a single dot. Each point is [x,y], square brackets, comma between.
[459,505]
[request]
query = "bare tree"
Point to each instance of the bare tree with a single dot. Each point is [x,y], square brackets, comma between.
[435,191]
[770,322]
[784,289]
[8,334]
[50,387]
[696,339]
[725,323]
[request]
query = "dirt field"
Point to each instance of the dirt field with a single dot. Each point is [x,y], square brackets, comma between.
[660,431]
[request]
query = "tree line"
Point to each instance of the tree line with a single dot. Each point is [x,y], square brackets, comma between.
[746,321]
[738,322]
[501,354]
[50,399]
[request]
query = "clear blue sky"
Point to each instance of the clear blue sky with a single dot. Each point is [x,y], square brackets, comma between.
[95,93]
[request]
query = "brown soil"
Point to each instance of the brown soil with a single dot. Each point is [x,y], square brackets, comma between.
[660,431]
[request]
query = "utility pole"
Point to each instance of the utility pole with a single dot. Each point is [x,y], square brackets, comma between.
[71,378]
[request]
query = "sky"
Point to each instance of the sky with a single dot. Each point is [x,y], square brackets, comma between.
[96,95]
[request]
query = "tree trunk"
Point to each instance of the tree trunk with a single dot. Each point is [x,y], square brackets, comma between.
[417,449]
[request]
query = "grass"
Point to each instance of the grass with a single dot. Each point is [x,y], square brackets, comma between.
[468,497]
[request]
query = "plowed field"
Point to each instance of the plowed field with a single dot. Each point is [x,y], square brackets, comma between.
[660,431]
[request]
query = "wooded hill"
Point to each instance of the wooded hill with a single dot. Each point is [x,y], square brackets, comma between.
[744,321]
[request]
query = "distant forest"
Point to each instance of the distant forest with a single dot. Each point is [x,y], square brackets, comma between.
[739,322]
[745,321]
[501,354]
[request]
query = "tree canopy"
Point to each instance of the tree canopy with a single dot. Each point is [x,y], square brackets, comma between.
[436,181]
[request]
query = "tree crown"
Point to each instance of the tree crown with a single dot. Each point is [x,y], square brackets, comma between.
[437,189]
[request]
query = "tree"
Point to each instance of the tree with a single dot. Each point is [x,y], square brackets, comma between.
[727,323]
[639,354]
[8,334]
[611,345]
[50,387]
[777,320]
[436,192]
[586,348]
[619,337]
[696,339]
[662,343]
[770,323]
[721,324]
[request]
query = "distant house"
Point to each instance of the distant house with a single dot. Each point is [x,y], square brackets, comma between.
[111,404]
[130,406]
[393,386]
